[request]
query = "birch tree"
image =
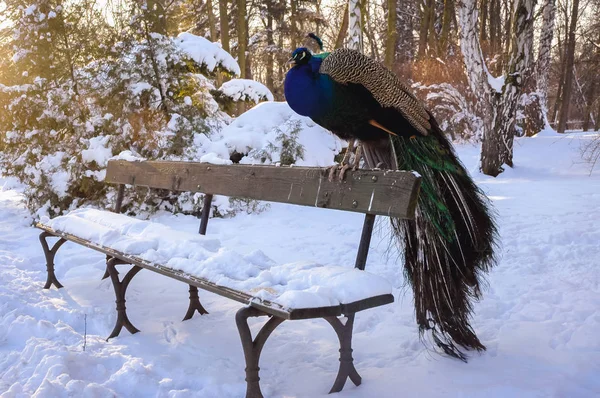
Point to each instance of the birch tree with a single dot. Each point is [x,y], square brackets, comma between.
[497,97]
[544,57]
[355,37]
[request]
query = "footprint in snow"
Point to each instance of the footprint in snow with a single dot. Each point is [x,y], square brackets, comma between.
[170,333]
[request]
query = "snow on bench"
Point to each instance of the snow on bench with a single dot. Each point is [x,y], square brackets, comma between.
[299,285]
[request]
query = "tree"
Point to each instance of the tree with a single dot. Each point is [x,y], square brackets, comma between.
[355,31]
[542,70]
[224,22]
[568,73]
[498,98]
[425,32]
[390,44]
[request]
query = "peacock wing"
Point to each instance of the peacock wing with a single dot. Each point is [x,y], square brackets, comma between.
[350,66]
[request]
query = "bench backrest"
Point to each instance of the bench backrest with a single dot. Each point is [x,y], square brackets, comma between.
[375,192]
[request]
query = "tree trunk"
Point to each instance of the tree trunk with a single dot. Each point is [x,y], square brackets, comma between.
[569,61]
[211,20]
[224,22]
[542,71]
[280,63]
[426,20]
[533,121]
[355,35]
[588,118]
[242,34]
[339,42]
[495,30]
[407,13]
[370,32]
[390,43]
[561,80]
[498,109]
[597,124]
[293,29]
[484,21]
[270,47]
[508,23]
[446,21]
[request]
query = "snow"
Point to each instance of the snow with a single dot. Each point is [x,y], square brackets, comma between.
[255,132]
[30,10]
[291,285]
[139,87]
[496,82]
[246,90]
[97,151]
[214,159]
[539,317]
[206,52]
[50,166]
[129,156]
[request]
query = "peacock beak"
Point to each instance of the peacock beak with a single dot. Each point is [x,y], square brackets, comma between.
[290,61]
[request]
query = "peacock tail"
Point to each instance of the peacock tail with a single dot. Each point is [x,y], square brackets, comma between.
[448,246]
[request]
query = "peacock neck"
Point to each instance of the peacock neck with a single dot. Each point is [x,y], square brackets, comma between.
[307,91]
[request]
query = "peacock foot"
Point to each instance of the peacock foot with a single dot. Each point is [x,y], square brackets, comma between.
[333,170]
[351,160]
[348,162]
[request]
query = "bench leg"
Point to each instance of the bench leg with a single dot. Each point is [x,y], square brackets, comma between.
[120,290]
[106,273]
[195,304]
[50,254]
[252,348]
[347,369]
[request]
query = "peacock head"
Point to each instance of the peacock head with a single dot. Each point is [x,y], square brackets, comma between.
[300,56]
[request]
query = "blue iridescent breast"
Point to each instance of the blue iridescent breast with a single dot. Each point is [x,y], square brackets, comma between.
[308,92]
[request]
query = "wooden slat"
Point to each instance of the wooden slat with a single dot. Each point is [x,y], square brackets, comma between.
[388,193]
[242,297]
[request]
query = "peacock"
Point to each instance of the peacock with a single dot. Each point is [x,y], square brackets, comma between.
[452,240]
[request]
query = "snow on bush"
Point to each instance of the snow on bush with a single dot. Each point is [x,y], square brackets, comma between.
[147,96]
[246,90]
[272,133]
[206,53]
[453,109]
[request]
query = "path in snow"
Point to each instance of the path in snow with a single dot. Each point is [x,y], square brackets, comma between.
[539,319]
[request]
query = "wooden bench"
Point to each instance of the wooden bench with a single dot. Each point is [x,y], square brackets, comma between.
[372,192]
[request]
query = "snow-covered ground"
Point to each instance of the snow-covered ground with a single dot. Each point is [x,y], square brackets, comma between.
[540,317]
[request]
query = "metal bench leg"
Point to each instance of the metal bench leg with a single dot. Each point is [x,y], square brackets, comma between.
[195,304]
[347,369]
[106,273]
[50,254]
[253,348]
[120,289]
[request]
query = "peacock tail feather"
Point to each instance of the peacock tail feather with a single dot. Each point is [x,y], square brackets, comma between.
[450,243]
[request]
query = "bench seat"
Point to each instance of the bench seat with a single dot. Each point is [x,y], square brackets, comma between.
[296,290]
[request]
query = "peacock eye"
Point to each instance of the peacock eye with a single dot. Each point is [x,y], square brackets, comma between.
[302,56]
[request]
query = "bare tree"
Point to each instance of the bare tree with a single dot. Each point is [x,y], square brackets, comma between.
[568,76]
[390,43]
[224,22]
[542,70]
[497,98]
[339,42]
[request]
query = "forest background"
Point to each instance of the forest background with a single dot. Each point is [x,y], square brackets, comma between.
[84,80]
